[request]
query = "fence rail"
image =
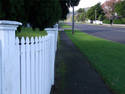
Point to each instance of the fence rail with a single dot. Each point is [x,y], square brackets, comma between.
[33,60]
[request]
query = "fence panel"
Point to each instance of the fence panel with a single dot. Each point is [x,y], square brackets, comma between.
[34,62]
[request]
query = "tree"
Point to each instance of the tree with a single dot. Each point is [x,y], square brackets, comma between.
[109,9]
[45,13]
[81,15]
[90,13]
[39,13]
[14,6]
[95,12]
[81,10]
[65,4]
[64,8]
[120,9]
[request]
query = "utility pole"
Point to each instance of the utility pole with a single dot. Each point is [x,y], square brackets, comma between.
[73,20]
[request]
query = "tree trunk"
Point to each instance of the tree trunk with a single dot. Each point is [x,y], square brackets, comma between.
[73,20]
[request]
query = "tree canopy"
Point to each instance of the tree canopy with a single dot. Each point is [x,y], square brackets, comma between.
[81,10]
[120,8]
[95,11]
[39,13]
[109,8]
[81,15]
[65,5]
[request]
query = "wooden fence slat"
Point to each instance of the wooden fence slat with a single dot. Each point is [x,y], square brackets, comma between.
[17,59]
[32,49]
[40,65]
[28,65]
[43,65]
[23,67]
[36,48]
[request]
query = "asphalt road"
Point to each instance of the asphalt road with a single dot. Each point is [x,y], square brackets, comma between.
[111,33]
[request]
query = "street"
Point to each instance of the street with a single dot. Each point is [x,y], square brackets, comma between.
[107,32]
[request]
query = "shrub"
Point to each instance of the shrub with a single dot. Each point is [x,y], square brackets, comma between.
[119,21]
[115,21]
[106,21]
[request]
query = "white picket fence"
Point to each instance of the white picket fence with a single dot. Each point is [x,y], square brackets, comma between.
[27,65]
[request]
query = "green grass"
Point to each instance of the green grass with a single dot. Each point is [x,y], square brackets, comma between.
[29,32]
[66,26]
[107,57]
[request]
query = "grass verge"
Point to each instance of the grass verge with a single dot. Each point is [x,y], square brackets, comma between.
[107,57]
[66,26]
[29,32]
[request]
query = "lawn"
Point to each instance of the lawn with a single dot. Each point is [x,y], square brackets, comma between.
[65,26]
[29,32]
[107,57]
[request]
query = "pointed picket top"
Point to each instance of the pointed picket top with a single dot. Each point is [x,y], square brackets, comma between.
[40,39]
[43,37]
[22,41]
[17,41]
[36,39]
[27,40]
[32,40]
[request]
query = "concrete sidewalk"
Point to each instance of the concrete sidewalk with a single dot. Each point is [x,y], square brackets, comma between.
[115,25]
[74,75]
[109,25]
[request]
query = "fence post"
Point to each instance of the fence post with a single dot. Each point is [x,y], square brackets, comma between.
[52,33]
[10,68]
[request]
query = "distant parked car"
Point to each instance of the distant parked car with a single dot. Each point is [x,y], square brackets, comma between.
[97,22]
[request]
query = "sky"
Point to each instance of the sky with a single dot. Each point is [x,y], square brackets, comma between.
[87,3]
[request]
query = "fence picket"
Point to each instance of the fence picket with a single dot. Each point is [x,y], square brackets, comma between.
[28,65]
[40,65]
[43,65]
[36,63]
[32,49]
[17,59]
[23,67]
